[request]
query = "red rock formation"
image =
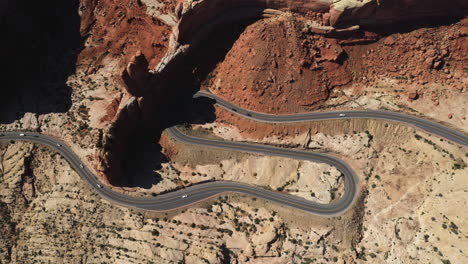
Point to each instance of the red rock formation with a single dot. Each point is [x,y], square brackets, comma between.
[124,32]
[284,71]
[196,14]
[250,81]
[135,75]
[410,58]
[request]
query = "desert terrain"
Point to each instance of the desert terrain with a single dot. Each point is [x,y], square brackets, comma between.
[114,75]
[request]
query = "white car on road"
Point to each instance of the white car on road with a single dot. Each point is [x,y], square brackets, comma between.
[22,135]
[342,115]
[184,196]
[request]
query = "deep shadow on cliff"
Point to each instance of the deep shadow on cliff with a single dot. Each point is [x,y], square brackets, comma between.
[169,99]
[144,154]
[40,44]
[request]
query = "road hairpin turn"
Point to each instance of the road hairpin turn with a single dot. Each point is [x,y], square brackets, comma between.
[199,192]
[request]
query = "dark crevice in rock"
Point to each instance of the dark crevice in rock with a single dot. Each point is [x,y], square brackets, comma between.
[168,101]
[41,44]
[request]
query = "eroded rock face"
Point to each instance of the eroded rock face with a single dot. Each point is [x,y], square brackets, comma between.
[135,75]
[124,39]
[193,13]
[314,63]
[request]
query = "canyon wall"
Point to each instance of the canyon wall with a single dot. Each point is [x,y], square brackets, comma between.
[150,92]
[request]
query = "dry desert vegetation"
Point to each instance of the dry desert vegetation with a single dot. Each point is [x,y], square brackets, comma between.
[411,207]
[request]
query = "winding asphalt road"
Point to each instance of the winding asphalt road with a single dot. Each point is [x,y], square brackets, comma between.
[424,124]
[198,192]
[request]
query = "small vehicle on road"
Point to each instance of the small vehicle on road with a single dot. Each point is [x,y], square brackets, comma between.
[342,115]
[99,186]
[233,109]
[81,166]
[58,145]
[249,114]
[22,135]
[184,196]
[1,135]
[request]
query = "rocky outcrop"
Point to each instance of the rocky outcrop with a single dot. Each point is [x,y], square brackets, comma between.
[382,12]
[316,62]
[135,75]
[413,95]
[286,65]
[125,40]
[194,14]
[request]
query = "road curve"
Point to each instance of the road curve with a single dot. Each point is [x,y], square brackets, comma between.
[202,191]
[424,124]
[198,192]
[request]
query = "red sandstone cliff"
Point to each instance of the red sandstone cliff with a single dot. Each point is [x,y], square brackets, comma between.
[311,66]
